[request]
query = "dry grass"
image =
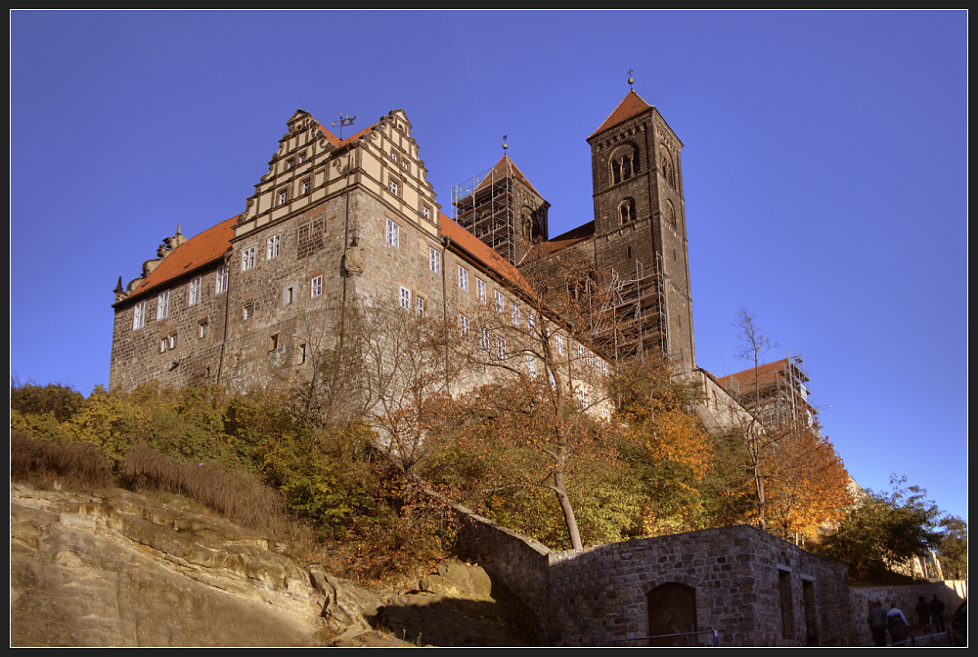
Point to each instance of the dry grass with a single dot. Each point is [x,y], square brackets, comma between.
[74,465]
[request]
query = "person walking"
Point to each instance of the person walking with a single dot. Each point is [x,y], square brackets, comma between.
[898,625]
[937,614]
[923,613]
[877,623]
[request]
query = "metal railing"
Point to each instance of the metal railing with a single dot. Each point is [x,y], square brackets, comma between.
[711,638]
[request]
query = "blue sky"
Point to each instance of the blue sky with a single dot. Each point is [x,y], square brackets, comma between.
[824,167]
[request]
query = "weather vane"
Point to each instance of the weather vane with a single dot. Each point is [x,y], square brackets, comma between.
[505,145]
[344,120]
[631,80]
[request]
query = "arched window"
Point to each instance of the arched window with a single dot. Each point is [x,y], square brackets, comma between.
[667,168]
[624,163]
[672,615]
[670,213]
[626,211]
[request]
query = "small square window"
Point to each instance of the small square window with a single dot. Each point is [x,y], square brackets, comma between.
[248,310]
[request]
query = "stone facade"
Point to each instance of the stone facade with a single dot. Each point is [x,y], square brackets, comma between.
[733,586]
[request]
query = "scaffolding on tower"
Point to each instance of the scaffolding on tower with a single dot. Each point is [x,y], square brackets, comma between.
[483,205]
[632,318]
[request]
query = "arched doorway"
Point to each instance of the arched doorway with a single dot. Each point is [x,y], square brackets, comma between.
[672,611]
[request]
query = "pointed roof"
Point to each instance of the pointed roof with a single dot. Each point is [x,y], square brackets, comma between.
[505,167]
[632,105]
[200,250]
[483,253]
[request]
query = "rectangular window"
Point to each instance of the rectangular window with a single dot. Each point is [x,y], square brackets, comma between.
[480,290]
[434,260]
[531,365]
[419,305]
[193,292]
[283,196]
[393,234]
[173,341]
[202,329]
[393,187]
[248,258]
[163,305]
[139,315]
[405,298]
[288,295]
[484,340]
[501,348]
[248,310]
[304,186]
[274,245]
[463,278]
[559,341]
[316,286]
[516,314]
[529,323]
[500,304]
[162,345]
[221,282]
[463,326]
[426,212]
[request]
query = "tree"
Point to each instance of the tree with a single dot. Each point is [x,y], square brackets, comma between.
[884,530]
[547,388]
[653,411]
[952,548]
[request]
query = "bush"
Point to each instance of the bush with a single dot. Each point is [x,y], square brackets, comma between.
[45,463]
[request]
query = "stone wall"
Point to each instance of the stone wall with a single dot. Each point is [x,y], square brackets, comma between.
[752,588]
[951,593]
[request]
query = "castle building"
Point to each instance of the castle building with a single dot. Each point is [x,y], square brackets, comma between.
[775,392]
[341,221]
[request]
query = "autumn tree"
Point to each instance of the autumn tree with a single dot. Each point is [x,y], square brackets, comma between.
[952,548]
[546,405]
[664,442]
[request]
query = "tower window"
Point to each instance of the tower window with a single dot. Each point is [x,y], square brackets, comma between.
[626,211]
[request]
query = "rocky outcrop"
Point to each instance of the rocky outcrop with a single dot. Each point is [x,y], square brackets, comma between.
[114,568]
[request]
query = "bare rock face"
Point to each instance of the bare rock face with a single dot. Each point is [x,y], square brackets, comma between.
[118,569]
[114,568]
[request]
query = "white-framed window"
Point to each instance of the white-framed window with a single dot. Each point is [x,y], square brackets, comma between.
[248,258]
[531,365]
[426,212]
[393,186]
[139,316]
[500,303]
[583,396]
[559,341]
[463,278]
[463,326]
[581,352]
[316,286]
[163,305]
[221,280]
[434,260]
[516,314]
[162,345]
[248,310]
[484,339]
[193,292]
[405,298]
[302,157]
[419,305]
[283,196]
[501,348]
[305,186]
[202,329]
[530,322]
[394,156]
[274,246]
[172,340]
[393,234]
[480,290]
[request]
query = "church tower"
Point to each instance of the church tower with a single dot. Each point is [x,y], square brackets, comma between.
[640,246]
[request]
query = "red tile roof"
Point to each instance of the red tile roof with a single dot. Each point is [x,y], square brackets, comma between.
[201,250]
[503,168]
[483,253]
[767,374]
[632,105]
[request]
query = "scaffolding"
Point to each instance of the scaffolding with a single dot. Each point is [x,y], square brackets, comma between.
[483,205]
[632,320]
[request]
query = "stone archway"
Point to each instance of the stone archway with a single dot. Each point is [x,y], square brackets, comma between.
[672,610]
